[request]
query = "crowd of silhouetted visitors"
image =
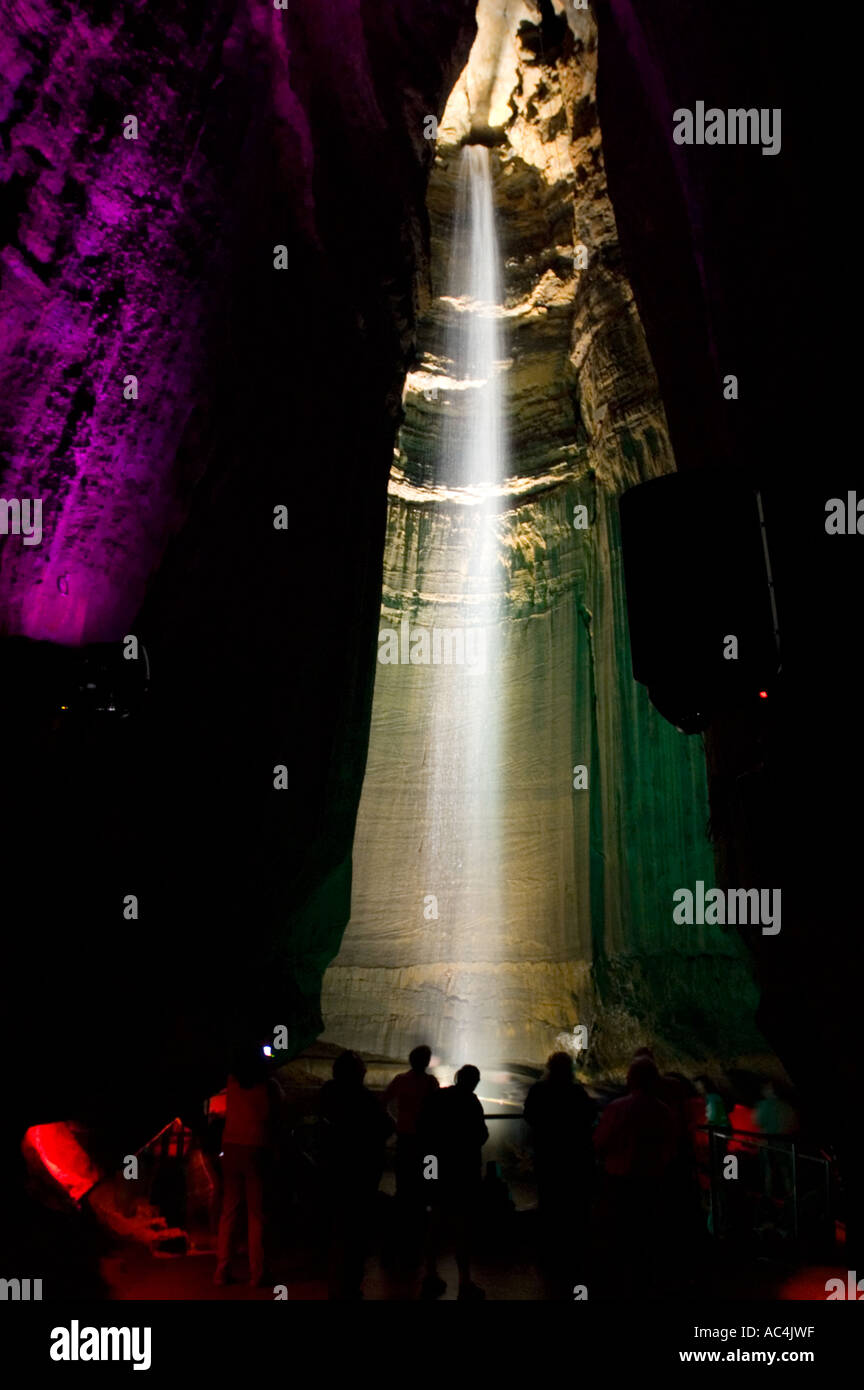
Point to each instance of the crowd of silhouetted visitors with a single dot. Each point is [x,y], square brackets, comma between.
[628,1178]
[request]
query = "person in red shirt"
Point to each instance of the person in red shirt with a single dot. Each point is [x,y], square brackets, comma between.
[637,1135]
[405,1099]
[251,1101]
[408,1092]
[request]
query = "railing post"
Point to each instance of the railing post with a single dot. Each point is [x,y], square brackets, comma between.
[712,1170]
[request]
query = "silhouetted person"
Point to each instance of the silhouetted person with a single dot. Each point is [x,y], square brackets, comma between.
[708,1108]
[561,1115]
[715,1106]
[675,1090]
[358,1129]
[774,1113]
[684,1203]
[636,1136]
[775,1116]
[408,1092]
[671,1087]
[252,1101]
[453,1132]
[636,1140]
[405,1099]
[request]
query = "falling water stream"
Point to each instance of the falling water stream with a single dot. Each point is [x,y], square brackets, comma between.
[473,447]
[463,791]
[429,900]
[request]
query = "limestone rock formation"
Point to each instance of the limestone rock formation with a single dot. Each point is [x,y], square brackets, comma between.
[577,925]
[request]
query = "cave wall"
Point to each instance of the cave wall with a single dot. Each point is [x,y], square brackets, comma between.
[257,388]
[713,244]
[580,929]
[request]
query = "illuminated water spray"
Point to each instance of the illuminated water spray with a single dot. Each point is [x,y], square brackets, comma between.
[473,440]
[463,845]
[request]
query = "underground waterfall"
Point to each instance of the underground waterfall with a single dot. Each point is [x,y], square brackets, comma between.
[526,815]
[461,873]
[450,653]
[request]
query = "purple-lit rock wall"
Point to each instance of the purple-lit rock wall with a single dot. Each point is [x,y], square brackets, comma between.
[257,388]
[116,253]
[105,239]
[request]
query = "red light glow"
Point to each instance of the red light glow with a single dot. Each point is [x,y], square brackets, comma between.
[56,1148]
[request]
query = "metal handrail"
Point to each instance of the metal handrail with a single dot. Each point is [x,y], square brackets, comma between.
[765,1143]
